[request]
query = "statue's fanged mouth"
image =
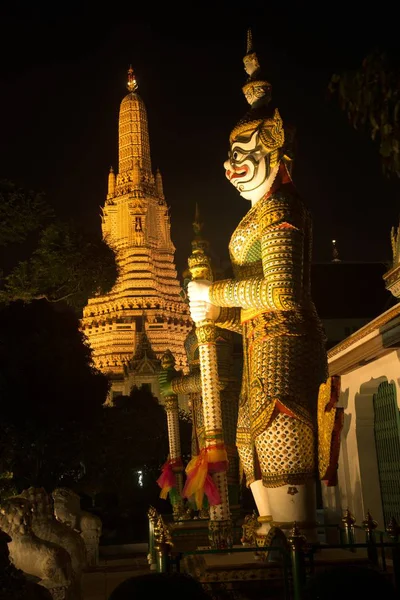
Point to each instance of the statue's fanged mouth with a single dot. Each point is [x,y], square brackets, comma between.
[236,174]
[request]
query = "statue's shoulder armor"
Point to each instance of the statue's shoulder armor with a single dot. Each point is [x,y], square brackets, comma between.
[283,206]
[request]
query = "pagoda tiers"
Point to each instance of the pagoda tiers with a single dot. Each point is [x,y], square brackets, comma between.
[146,301]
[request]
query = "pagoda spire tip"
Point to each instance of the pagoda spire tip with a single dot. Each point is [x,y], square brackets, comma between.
[131,83]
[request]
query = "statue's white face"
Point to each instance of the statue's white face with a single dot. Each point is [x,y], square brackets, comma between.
[246,168]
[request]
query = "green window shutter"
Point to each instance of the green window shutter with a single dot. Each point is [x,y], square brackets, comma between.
[387,440]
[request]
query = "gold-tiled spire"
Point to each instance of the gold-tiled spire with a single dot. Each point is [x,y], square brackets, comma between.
[146,297]
[133,131]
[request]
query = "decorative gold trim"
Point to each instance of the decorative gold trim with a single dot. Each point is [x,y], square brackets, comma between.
[291,524]
[279,479]
[265,519]
[364,331]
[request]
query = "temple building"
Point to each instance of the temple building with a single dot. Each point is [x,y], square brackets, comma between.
[144,315]
[367,361]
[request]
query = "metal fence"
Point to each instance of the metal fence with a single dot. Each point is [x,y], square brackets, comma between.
[297,561]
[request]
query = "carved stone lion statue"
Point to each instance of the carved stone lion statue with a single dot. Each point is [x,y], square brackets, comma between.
[50,563]
[67,508]
[14,585]
[47,527]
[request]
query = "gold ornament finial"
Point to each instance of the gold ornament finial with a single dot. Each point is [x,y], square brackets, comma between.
[348,519]
[393,529]
[132,83]
[369,523]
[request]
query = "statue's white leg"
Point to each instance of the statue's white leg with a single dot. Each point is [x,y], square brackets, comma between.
[289,503]
[260,495]
[285,451]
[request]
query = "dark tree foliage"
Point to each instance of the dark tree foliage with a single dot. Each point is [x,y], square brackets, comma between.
[370,97]
[55,429]
[20,213]
[122,460]
[50,392]
[129,436]
[59,261]
[68,265]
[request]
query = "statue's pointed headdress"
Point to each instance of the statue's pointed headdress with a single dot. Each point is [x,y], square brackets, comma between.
[257,91]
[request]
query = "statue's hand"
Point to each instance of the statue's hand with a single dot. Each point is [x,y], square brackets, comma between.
[200,306]
[203,311]
[199,290]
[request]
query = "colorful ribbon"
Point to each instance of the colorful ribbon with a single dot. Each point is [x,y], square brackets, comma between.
[212,459]
[167,479]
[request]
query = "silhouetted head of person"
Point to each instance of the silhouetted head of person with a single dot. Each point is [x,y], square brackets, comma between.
[150,585]
[346,582]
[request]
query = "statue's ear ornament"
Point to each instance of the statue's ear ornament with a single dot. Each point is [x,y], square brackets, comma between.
[272,134]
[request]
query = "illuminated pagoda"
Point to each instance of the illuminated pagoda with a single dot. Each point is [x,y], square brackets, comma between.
[144,315]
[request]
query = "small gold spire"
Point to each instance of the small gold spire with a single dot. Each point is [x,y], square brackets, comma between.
[257,89]
[136,172]
[197,225]
[132,83]
[250,60]
[159,184]
[335,252]
[200,245]
[249,41]
[111,182]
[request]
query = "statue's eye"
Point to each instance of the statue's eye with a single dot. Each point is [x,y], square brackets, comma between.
[235,155]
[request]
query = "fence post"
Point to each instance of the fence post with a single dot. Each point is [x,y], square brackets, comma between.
[369,526]
[162,557]
[348,521]
[393,531]
[162,545]
[297,543]
[151,553]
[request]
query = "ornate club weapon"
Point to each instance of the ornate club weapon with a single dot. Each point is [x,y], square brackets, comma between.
[213,458]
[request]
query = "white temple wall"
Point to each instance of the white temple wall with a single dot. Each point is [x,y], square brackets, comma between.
[358,480]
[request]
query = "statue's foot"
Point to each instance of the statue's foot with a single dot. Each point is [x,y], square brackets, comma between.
[276,540]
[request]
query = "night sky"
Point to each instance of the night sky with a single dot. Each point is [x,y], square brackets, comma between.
[63,77]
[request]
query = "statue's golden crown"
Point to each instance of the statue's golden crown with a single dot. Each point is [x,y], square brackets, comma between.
[271,131]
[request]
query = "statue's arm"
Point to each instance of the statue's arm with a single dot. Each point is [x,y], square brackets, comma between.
[281,225]
[186,384]
[229,318]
